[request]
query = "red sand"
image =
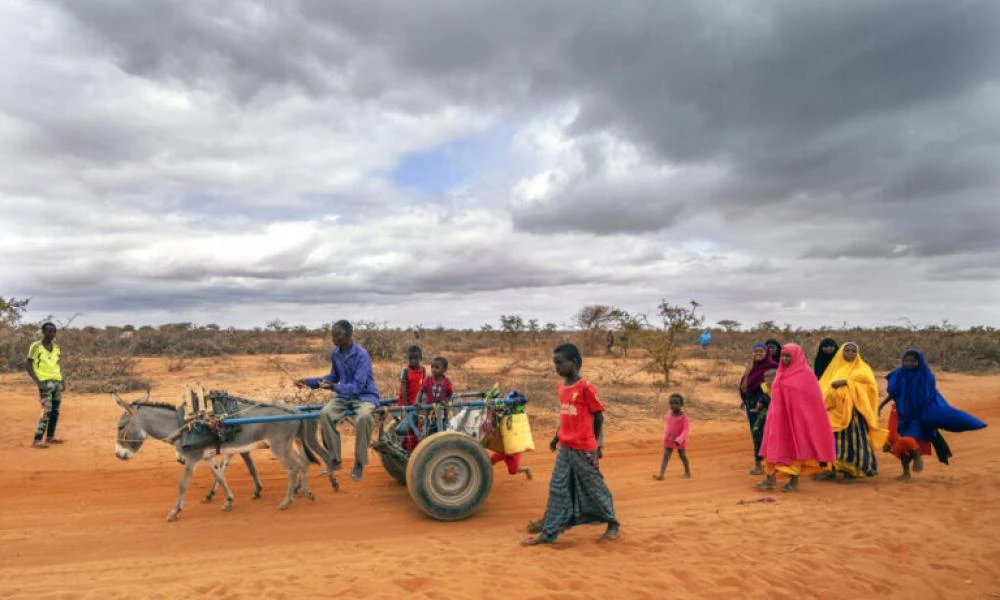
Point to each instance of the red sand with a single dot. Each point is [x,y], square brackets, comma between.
[77,522]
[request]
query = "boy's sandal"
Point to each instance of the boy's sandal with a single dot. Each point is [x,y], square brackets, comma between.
[39,445]
[55,441]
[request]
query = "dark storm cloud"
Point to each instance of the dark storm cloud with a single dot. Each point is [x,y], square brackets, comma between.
[881,101]
[782,136]
[245,46]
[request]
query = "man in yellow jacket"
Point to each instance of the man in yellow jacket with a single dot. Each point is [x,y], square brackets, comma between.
[43,367]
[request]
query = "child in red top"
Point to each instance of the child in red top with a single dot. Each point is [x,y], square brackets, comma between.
[577,491]
[675,434]
[437,391]
[411,379]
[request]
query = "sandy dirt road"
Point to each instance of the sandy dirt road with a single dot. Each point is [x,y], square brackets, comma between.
[77,522]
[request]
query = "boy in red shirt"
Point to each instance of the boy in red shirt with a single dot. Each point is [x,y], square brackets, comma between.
[411,379]
[577,491]
[437,390]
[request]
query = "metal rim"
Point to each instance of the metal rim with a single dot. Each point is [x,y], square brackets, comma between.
[453,479]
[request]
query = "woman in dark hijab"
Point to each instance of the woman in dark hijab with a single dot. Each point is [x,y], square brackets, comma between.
[774,346]
[824,354]
[750,394]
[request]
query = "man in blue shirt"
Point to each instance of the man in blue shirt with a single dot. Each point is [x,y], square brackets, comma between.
[354,390]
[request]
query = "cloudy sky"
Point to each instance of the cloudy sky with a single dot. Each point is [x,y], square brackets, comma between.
[445,162]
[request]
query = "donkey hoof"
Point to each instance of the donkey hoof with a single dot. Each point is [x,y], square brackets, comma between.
[256,496]
[308,495]
[335,484]
[284,505]
[207,499]
[227,507]
[172,517]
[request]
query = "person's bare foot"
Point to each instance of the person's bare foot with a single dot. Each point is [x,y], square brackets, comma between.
[791,486]
[53,440]
[766,484]
[535,541]
[535,526]
[658,477]
[905,477]
[687,476]
[918,462]
[39,444]
[528,475]
[757,470]
[825,476]
[613,532]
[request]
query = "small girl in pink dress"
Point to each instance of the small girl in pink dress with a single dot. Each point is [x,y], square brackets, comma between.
[675,435]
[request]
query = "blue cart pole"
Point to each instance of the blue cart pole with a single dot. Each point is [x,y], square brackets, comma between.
[312,411]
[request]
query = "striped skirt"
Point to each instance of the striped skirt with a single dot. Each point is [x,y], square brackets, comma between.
[577,493]
[855,451]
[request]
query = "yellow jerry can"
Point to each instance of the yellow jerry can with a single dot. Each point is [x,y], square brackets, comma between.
[516,434]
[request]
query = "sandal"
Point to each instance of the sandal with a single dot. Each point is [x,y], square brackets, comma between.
[55,441]
[39,444]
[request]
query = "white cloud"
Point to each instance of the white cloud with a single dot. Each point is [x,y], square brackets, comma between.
[232,163]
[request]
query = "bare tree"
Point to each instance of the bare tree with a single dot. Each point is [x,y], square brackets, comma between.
[663,341]
[512,327]
[595,317]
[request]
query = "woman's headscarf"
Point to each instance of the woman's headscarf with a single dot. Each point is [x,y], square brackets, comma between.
[822,360]
[913,391]
[776,354]
[797,427]
[860,394]
[920,407]
[755,376]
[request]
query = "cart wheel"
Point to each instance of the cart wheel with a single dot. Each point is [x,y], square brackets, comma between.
[389,448]
[449,475]
[395,467]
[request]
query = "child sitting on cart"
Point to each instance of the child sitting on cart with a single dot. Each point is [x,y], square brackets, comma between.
[411,380]
[437,391]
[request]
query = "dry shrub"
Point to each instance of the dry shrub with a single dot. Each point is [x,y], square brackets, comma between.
[974,350]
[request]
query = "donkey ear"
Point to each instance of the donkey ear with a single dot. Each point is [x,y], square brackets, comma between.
[145,398]
[125,405]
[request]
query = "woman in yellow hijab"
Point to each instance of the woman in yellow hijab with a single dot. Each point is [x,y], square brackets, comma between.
[850,392]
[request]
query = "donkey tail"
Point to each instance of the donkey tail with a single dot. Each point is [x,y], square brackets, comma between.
[307,437]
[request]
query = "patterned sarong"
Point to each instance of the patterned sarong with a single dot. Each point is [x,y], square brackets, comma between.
[577,494]
[855,452]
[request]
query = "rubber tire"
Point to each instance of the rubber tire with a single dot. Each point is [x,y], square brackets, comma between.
[462,449]
[393,466]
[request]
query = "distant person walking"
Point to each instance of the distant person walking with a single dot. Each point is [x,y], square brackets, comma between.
[705,339]
[43,368]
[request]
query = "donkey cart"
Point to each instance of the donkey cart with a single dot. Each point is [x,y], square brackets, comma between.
[444,464]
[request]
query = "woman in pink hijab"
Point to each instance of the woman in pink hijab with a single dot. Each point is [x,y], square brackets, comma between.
[797,431]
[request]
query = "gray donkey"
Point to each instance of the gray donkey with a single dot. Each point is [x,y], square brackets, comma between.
[159,421]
